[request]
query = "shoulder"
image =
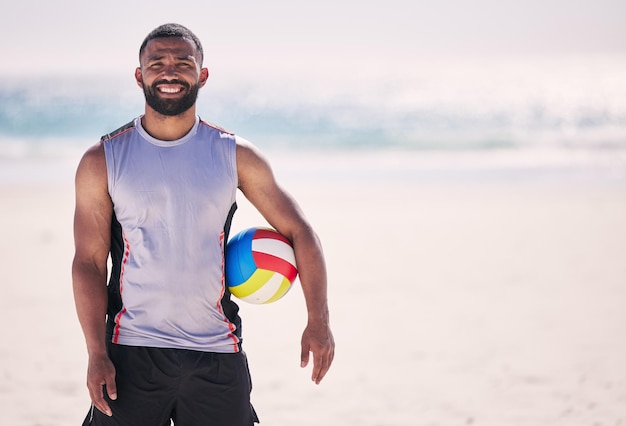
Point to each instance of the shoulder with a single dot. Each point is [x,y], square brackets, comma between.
[248,155]
[92,165]
[253,167]
[94,154]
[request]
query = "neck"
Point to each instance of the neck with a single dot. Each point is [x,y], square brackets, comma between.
[168,128]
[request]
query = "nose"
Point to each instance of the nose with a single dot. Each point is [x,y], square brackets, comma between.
[169,70]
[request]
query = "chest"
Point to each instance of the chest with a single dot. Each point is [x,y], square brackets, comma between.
[171,186]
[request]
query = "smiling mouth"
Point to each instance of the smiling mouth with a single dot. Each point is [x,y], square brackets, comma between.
[170,89]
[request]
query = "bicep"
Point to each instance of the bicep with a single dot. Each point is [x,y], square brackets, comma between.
[93,210]
[258,184]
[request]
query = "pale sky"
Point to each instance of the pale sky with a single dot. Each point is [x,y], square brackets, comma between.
[78,36]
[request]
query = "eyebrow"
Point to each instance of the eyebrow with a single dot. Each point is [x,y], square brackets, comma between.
[158,57]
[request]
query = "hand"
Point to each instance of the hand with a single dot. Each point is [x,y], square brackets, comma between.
[318,339]
[100,376]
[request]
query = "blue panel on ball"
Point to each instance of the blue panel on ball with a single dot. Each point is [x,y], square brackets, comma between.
[238,257]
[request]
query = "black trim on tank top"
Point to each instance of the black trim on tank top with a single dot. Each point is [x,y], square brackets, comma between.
[115,298]
[119,131]
[229,307]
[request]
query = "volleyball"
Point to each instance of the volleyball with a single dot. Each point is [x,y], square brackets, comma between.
[260,265]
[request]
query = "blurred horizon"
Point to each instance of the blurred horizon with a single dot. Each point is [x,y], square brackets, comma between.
[565,102]
[395,76]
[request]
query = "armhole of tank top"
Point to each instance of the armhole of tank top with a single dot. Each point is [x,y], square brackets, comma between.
[110,165]
[233,163]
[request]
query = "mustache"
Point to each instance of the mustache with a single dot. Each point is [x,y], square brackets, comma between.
[175,81]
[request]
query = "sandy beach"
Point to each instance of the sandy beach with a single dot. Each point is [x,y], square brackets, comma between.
[489,301]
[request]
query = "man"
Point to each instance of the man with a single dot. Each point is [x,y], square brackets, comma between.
[158,195]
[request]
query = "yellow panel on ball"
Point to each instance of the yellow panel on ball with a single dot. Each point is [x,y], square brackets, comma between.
[257,280]
[262,287]
[285,285]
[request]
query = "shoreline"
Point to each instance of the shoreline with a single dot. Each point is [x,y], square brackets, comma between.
[388,165]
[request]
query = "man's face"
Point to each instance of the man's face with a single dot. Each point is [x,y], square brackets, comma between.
[170,75]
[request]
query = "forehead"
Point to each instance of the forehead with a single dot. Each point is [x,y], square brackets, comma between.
[175,46]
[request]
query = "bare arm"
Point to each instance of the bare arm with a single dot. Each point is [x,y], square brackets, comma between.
[258,184]
[92,225]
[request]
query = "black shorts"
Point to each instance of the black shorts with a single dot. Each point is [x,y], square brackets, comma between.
[191,388]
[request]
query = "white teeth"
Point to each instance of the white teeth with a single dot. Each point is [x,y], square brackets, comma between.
[169,89]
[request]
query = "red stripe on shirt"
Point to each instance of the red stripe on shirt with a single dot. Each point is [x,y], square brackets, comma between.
[118,317]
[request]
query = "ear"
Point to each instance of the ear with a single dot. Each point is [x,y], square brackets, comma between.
[204,75]
[138,77]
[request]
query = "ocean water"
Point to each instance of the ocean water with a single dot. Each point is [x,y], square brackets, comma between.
[435,117]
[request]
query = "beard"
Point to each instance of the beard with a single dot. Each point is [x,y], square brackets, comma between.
[171,107]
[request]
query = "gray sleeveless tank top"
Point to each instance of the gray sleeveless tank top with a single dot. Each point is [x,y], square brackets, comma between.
[173,202]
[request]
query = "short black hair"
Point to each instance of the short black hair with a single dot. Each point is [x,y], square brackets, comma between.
[172,30]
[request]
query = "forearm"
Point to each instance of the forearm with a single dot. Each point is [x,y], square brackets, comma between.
[90,297]
[317,338]
[313,275]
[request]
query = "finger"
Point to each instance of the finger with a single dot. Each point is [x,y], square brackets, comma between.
[97,398]
[320,368]
[111,387]
[304,356]
[321,365]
